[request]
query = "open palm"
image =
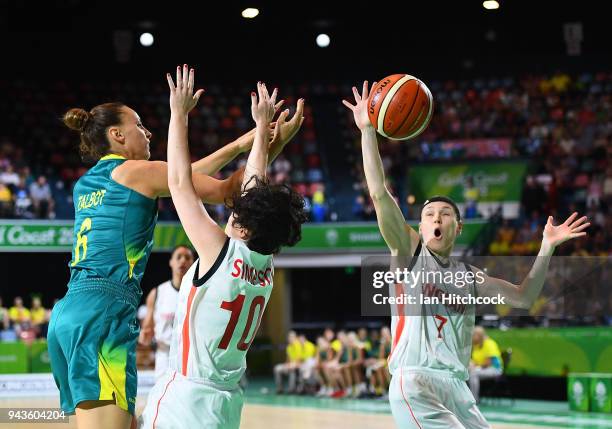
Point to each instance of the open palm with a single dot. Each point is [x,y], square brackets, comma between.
[360,108]
[571,228]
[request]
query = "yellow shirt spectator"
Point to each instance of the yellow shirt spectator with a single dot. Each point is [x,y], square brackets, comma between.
[294,351]
[39,315]
[19,315]
[489,349]
[309,350]
[336,345]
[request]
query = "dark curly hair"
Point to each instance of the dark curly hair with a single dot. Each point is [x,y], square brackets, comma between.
[272,215]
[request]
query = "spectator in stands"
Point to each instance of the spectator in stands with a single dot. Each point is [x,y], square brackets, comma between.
[20,316]
[486,360]
[308,357]
[291,365]
[357,353]
[281,169]
[6,202]
[5,322]
[40,192]
[324,355]
[39,317]
[9,177]
[533,196]
[23,202]
[318,205]
[471,194]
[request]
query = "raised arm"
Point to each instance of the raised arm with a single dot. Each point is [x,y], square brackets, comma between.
[205,235]
[214,162]
[523,295]
[400,238]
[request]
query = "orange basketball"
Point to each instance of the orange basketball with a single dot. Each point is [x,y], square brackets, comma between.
[400,107]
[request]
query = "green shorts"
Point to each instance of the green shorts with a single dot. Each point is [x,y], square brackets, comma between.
[92,344]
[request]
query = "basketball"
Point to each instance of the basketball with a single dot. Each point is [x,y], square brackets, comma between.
[400,107]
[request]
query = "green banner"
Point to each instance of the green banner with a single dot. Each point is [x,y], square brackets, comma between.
[13,358]
[28,236]
[556,351]
[495,181]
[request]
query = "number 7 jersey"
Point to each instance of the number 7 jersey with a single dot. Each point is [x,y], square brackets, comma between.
[218,315]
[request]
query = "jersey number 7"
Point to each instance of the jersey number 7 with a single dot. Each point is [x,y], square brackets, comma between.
[235,307]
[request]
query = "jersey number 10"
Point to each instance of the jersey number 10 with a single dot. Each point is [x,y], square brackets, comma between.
[235,307]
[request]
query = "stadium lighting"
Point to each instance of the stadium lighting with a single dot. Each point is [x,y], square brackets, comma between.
[250,12]
[323,40]
[146,39]
[490,4]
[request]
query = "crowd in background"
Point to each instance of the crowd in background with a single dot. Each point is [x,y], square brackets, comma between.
[39,160]
[560,124]
[354,364]
[20,322]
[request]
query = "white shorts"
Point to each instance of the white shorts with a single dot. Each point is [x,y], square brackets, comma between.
[177,402]
[423,401]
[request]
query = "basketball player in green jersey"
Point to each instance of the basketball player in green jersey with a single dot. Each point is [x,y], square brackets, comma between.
[93,330]
[430,357]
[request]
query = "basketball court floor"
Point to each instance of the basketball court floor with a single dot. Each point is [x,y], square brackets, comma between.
[265,410]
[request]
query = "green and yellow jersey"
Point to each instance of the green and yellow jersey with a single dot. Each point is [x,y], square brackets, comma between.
[113,228]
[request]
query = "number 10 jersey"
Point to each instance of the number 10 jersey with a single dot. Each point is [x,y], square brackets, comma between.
[218,315]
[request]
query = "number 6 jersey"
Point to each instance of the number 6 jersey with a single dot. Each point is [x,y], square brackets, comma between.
[218,315]
[113,228]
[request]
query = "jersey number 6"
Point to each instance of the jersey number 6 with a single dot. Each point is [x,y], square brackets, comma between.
[81,241]
[235,307]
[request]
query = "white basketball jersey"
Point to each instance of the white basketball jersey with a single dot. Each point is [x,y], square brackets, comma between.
[434,337]
[163,315]
[218,315]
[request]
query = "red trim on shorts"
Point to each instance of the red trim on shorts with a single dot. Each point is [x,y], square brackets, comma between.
[192,293]
[160,399]
[406,400]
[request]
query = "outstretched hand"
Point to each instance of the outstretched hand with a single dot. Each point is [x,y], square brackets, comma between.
[360,108]
[288,129]
[182,98]
[263,104]
[571,228]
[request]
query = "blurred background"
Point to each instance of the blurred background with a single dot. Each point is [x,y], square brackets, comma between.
[522,129]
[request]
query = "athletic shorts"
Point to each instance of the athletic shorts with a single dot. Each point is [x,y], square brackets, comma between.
[178,402]
[92,345]
[423,401]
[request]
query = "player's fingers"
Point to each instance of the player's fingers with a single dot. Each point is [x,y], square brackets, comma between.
[179,77]
[299,111]
[578,222]
[170,82]
[347,104]
[273,97]
[253,100]
[571,218]
[578,234]
[278,105]
[197,95]
[356,94]
[259,91]
[364,90]
[185,76]
[581,227]
[191,80]
[550,220]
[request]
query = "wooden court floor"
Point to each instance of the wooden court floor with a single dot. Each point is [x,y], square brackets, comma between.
[254,416]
